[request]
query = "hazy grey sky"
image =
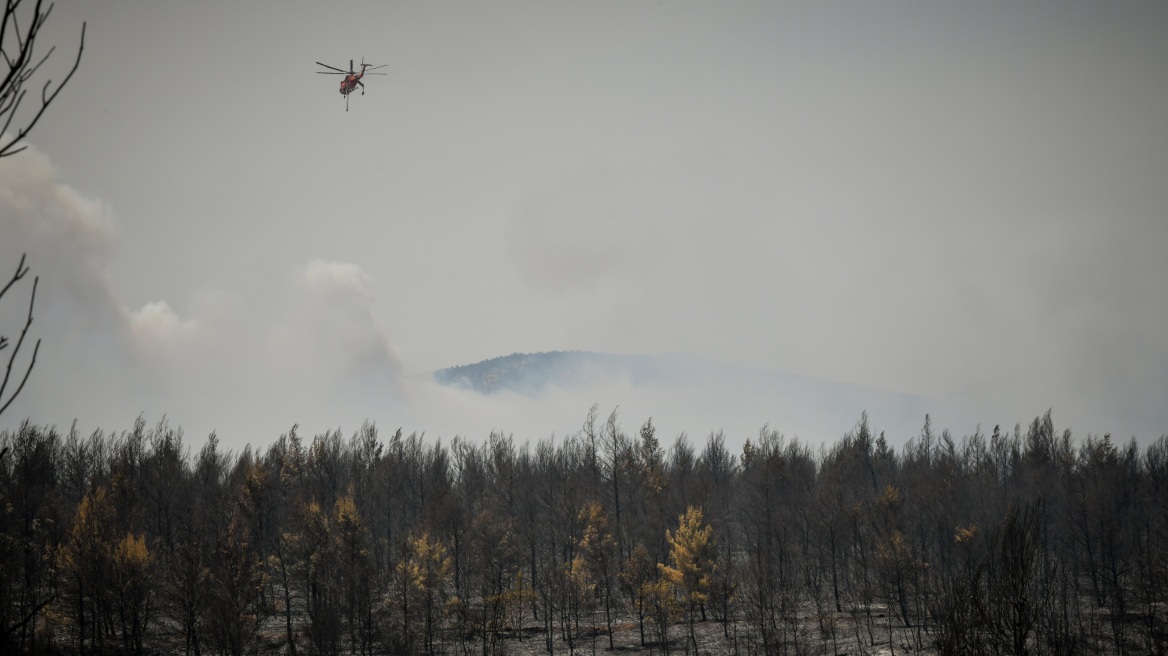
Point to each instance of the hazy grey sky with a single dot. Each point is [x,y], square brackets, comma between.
[962,200]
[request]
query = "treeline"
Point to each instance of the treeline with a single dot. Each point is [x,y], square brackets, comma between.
[1022,542]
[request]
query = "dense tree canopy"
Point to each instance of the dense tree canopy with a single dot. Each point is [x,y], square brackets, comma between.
[1017,542]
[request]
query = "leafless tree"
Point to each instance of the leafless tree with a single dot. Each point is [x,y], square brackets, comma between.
[1015,596]
[21,270]
[348,546]
[18,40]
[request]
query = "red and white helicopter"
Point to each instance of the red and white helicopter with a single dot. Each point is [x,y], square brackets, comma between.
[352,78]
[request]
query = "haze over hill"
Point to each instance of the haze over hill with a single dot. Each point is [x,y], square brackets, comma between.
[961,200]
[693,393]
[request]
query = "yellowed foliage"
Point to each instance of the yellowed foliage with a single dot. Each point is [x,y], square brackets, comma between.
[890,498]
[88,548]
[349,532]
[597,542]
[345,511]
[316,522]
[428,567]
[578,576]
[131,553]
[894,548]
[519,591]
[692,551]
[661,594]
[965,534]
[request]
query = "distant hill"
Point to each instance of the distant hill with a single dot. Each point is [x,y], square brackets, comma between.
[707,390]
[530,373]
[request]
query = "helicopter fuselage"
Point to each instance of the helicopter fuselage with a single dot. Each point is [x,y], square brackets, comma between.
[351,79]
[349,84]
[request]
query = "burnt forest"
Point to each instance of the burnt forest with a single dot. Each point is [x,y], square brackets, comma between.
[1022,541]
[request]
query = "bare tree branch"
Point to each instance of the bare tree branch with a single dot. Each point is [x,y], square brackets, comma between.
[21,270]
[32,613]
[21,69]
[23,65]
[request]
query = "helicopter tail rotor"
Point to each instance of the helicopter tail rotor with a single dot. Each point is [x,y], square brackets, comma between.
[370,67]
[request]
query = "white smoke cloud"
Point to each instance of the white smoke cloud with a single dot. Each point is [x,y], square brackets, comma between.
[311,349]
[87,348]
[996,307]
[310,352]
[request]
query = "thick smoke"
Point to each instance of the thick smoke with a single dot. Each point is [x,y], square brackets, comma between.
[1012,340]
[310,351]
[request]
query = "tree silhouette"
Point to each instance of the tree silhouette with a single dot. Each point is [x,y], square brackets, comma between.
[597,546]
[692,552]
[21,271]
[85,564]
[123,543]
[19,31]
[1016,591]
[426,574]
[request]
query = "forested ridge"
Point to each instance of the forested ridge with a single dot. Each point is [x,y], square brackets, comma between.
[1030,541]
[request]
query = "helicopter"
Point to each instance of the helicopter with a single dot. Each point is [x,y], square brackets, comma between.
[352,78]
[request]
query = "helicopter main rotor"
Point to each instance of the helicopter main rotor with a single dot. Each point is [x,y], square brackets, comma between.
[339,71]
